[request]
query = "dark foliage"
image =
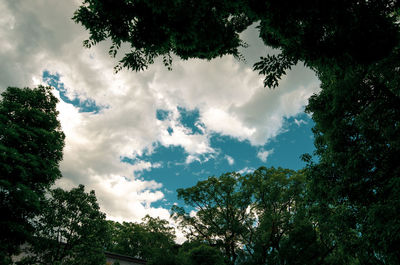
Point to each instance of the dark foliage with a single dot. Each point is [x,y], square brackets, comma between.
[31,143]
[313,32]
[69,230]
[260,218]
[152,240]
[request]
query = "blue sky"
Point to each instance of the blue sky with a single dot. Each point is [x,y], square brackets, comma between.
[287,148]
[232,154]
[135,137]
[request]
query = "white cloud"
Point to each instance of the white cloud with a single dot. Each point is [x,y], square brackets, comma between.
[264,154]
[221,121]
[299,122]
[230,160]
[191,159]
[181,136]
[141,165]
[246,170]
[229,96]
[198,158]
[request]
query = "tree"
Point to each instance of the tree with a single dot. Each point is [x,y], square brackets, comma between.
[260,218]
[31,143]
[357,137]
[286,230]
[278,202]
[222,218]
[71,229]
[152,240]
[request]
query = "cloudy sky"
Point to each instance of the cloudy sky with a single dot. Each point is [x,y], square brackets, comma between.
[136,137]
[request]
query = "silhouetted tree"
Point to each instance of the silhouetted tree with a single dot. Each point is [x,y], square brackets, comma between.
[70,229]
[31,143]
[260,218]
[152,240]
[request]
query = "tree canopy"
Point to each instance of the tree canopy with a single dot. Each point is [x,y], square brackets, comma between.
[31,143]
[151,239]
[70,229]
[260,218]
[222,215]
[316,33]
[204,255]
[357,136]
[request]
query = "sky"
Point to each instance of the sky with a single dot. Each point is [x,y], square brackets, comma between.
[135,138]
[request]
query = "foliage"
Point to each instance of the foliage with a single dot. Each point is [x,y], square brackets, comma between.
[31,143]
[260,218]
[70,230]
[357,136]
[314,33]
[153,239]
[222,218]
[204,255]
[274,67]
[156,28]
[197,252]
[283,230]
